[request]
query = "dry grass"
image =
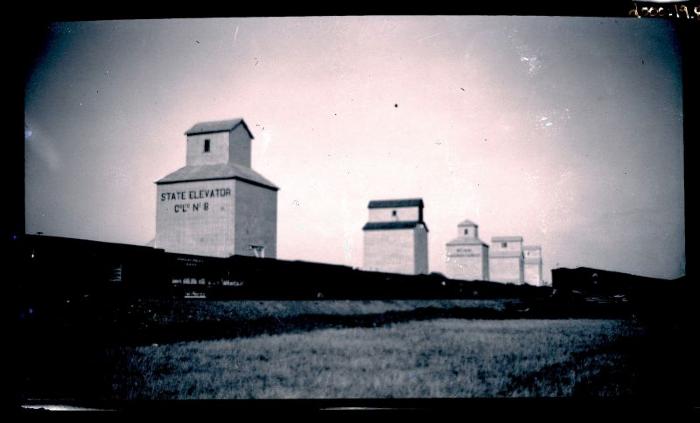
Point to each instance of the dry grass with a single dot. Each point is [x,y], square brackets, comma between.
[436,358]
[170,312]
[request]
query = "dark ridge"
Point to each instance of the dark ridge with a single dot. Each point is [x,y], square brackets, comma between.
[54,267]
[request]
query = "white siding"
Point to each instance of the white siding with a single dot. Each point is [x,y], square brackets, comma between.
[533,273]
[218,149]
[201,226]
[532,254]
[404,214]
[467,262]
[506,269]
[511,246]
[389,250]
[473,231]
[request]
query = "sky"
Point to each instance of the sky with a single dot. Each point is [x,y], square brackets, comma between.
[566,131]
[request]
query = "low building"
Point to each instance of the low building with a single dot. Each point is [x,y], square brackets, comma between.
[467,256]
[506,259]
[396,237]
[533,264]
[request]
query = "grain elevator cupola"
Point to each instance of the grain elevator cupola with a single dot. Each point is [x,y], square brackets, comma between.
[220,142]
[217,205]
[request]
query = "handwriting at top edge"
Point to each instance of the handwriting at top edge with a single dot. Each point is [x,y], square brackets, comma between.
[668,11]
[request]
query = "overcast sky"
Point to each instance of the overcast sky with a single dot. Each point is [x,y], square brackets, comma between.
[566,131]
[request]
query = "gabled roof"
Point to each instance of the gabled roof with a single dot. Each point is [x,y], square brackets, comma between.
[506,238]
[218,126]
[467,222]
[392,225]
[217,171]
[408,202]
[466,240]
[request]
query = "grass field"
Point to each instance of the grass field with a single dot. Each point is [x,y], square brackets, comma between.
[176,311]
[431,358]
[175,320]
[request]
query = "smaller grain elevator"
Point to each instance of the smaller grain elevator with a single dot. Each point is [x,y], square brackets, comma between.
[396,237]
[467,256]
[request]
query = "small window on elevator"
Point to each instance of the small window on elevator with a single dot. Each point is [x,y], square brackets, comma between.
[207,145]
